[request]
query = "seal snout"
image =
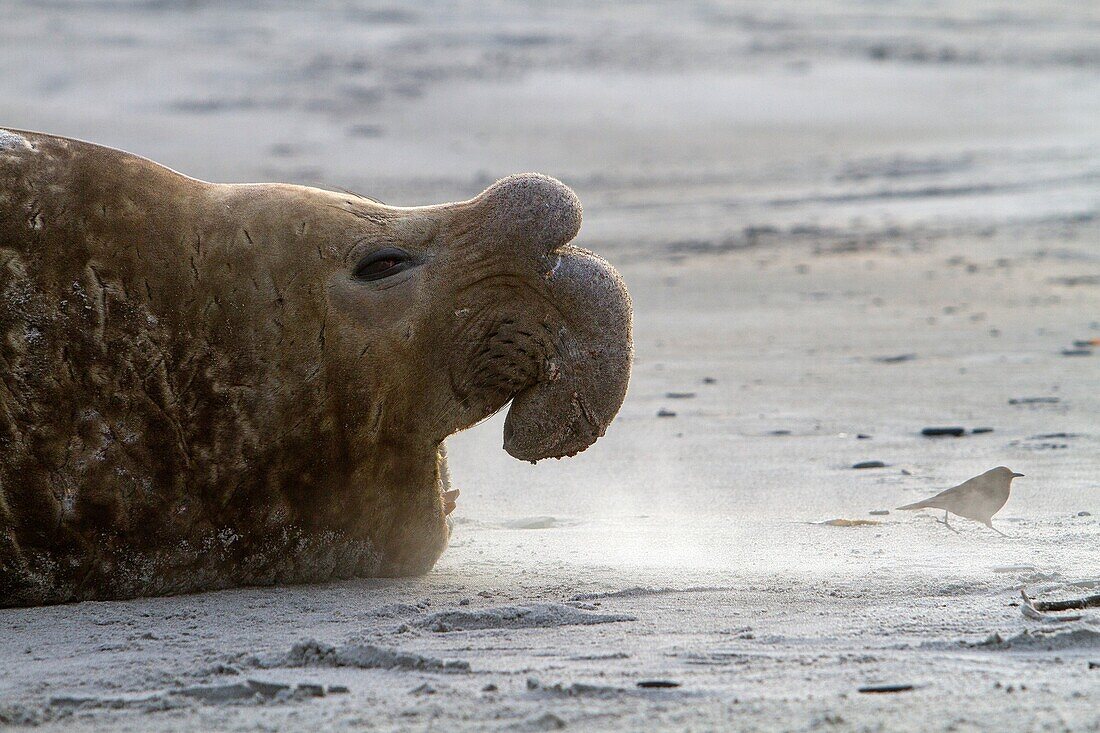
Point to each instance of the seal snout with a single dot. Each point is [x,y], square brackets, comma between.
[531,211]
[576,304]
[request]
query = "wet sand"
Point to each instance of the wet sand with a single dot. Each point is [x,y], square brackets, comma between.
[852,220]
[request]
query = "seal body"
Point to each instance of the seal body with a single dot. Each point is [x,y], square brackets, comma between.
[207,385]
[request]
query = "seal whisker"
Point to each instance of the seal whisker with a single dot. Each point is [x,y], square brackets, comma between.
[356,194]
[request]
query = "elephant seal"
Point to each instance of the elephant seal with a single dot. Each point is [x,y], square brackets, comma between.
[208,385]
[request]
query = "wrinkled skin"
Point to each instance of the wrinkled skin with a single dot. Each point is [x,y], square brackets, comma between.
[209,385]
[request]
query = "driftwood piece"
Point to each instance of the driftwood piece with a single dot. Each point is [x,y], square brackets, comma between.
[1068,604]
[1033,610]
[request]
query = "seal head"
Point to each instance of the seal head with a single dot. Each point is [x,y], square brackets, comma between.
[205,385]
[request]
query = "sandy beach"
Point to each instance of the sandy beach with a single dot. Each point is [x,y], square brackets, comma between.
[839,226]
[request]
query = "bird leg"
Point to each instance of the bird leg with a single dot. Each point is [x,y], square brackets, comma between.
[946,524]
[1002,534]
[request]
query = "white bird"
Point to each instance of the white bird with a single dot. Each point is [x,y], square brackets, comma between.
[978,498]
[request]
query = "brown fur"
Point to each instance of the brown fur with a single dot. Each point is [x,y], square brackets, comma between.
[195,393]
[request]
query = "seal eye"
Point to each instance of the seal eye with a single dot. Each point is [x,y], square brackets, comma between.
[382,264]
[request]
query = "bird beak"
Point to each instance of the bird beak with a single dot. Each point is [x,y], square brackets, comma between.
[1017,475]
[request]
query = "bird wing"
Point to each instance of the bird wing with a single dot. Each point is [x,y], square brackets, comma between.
[937,501]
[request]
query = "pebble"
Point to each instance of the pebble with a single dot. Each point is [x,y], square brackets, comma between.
[934,432]
[710,380]
[679,395]
[1076,352]
[878,689]
[219,693]
[980,431]
[869,464]
[221,669]
[895,359]
[306,689]
[665,413]
[267,689]
[338,689]
[1033,401]
[658,684]
[863,436]
[780,432]
[879,512]
[489,688]
[1084,514]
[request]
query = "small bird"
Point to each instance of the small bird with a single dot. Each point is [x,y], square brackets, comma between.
[978,498]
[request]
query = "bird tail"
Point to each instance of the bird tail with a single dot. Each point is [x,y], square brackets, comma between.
[925,504]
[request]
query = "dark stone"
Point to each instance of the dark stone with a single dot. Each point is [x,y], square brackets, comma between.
[657,684]
[869,464]
[934,432]
[223,669]
[665,413]
[879,689]
[219,693]
[981,431]
[267,689]
[306,689]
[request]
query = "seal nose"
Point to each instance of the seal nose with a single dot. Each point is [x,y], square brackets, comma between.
[533,212]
